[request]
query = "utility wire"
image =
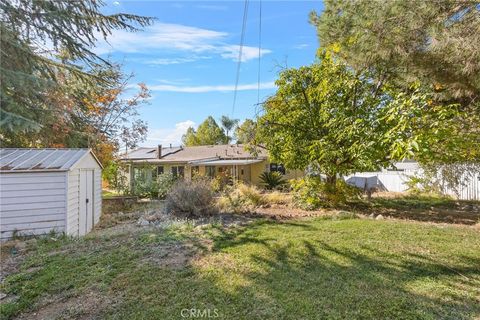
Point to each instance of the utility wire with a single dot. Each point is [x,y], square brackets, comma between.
[259,55]
[240,51]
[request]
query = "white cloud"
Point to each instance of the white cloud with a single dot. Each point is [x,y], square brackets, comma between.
[302,46]
[167,136]
[217,88]
[175,37]
[168,61]
[248,53]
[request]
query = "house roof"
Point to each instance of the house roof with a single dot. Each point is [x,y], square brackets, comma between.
[193,154]
[20,159]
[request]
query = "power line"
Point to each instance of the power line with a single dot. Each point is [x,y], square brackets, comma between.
[240,51]
[259,54]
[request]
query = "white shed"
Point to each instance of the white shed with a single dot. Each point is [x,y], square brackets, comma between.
[49,189]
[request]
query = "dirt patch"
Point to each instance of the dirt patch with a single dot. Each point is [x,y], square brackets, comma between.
[281,212]
[88,305]
[174,257]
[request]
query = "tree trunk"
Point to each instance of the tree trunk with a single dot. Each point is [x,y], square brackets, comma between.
[332,181]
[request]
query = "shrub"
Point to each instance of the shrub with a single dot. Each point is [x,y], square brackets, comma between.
[190,198]
[277,197]
[311,193]
[306,192]
[165,182]
[240,199]
[145,188]
[272,180]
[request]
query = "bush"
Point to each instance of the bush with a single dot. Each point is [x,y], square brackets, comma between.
[311,193]
[165,182]
[277,197]
[272,180]
[145,188]
[240,199]
[190,198]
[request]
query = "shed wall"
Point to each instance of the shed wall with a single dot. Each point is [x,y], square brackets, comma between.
[32,202]
[73,202]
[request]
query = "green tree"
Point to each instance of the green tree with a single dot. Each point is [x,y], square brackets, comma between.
[435,42]
[190,137]
[228,125]
[432,47]
[246,132]
[328,117]
[33,35]
[207,133]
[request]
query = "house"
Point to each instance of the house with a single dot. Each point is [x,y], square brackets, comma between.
[44,190]
[230,160]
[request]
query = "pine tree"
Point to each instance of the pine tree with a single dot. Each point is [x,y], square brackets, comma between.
[33,35]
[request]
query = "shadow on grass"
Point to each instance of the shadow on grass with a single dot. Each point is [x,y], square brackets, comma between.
[287,270]
[254,274]
[423,208]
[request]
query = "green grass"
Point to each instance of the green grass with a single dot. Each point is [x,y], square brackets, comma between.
[299,269]
[109,193]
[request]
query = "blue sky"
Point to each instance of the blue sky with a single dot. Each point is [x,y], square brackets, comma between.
[188,57]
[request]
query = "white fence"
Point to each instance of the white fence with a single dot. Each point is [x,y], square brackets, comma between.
[395,181]
[469,188]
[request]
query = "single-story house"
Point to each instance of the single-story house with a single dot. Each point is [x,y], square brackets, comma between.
[231,160]
[44,190]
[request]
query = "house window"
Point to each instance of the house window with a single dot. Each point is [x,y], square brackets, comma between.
[210,171]
[160,170]
[156,172]
[138,173]
[241,172]
[178,171]
[275,167]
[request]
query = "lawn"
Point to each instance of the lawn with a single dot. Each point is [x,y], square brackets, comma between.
[337,267]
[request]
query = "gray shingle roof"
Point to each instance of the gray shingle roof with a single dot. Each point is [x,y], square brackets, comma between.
[39,159]
[188,154]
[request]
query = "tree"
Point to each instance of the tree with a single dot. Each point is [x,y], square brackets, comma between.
[435,43]
[96,116]
[208,133]
[328,117]
[228,125]
[190,137]
[433,48]
[33,34]
[246,132]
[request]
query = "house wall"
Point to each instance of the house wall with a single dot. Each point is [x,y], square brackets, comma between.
[251,172]
[256,169]
[32,203]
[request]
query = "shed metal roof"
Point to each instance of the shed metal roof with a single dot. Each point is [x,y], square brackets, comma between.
[12,160]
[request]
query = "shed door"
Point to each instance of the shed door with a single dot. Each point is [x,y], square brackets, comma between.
[86,202]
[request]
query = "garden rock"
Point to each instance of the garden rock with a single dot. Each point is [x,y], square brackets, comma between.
[379,217]
[143,222]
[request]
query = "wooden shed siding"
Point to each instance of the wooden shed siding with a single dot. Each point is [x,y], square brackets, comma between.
[32,203]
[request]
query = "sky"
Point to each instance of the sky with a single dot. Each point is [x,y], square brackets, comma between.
[188,58]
